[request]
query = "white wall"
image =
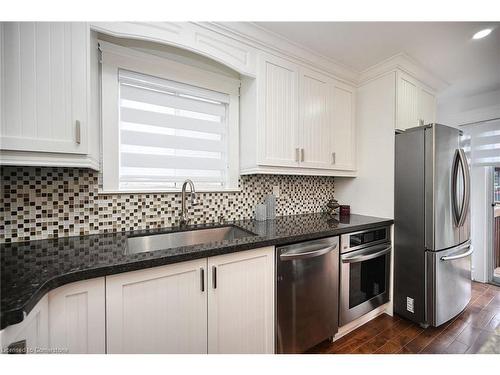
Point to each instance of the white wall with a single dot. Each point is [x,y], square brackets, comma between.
[463,110]
[372,193]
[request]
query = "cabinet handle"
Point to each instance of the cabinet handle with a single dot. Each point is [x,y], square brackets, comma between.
[77,132]
[333,157]
[214,277]
[202,279]
[301,154]
[297,154]
[420,122]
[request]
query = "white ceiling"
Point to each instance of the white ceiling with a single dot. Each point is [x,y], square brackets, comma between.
[469,66]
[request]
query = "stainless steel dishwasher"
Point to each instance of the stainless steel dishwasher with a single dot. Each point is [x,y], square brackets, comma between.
[307,294]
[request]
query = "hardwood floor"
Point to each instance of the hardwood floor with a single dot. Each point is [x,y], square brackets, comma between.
[475,330]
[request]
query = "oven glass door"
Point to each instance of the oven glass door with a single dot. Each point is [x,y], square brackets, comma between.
[364,281]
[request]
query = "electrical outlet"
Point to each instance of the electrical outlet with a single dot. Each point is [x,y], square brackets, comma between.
[276,191]
[410,305]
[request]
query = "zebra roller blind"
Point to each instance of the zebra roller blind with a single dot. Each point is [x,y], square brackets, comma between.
[170,131]
[481,142]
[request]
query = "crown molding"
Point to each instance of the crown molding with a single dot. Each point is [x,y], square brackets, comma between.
[263,39]
[409,65]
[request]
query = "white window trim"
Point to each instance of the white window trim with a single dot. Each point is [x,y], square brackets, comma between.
[116,57]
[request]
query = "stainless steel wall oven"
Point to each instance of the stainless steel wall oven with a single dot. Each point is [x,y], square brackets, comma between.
[365,263]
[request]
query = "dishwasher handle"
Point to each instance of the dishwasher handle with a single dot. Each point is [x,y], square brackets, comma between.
[307,254]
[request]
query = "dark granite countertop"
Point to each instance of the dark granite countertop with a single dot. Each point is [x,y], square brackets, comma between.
[31,269]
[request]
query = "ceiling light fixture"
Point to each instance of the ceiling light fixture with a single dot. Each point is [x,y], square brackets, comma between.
[481,34]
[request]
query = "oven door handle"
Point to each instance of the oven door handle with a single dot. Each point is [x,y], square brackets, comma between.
[307,254]
[362,258]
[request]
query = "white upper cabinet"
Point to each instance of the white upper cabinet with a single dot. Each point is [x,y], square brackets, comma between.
[279,115]
[77,317]
[158,310]
[316,126]
[416,104]
[427,106]
[45,76]
[343,134]
[296,120]
[45,103]
[241,302]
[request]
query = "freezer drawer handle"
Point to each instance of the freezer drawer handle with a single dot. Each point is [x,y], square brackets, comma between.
[362,258]
[459,256]
[308,254]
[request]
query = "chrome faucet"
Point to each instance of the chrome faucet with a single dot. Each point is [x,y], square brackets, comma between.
[184,220]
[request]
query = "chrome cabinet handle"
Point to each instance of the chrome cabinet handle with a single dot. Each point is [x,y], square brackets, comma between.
[301,154]
[297,154]
[420,122]
[307,254]
[362,258]
[202,279]
[333,157]
[78,134]
[459,256]
[214,277]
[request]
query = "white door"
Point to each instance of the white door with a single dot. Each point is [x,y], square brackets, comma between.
[427,106]
[315,120]
[158,310]
[44,86]
[343,139]
[278,124]
[241,302]
[408,92]
[77,317]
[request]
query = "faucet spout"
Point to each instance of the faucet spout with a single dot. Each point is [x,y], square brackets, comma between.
[184,220]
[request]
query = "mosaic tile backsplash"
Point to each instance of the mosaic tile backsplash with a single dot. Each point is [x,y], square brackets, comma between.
[38,203]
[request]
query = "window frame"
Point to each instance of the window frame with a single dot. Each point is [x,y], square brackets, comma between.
[114,58]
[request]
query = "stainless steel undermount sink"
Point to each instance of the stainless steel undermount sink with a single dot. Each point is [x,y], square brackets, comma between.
[163,241]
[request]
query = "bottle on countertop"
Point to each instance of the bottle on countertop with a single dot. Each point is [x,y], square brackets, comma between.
[270,206]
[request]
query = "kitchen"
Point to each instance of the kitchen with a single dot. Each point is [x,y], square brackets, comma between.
[245,188]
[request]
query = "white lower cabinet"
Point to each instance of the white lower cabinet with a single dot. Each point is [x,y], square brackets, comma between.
[158,310]
[31,335]
[164,309]
[222,304]
[77,317]
[241,302]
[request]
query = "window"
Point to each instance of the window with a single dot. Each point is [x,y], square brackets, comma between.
[165,122]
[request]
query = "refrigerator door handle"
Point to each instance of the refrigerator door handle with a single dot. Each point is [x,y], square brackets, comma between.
[466,199]
[459,256]
[454,177]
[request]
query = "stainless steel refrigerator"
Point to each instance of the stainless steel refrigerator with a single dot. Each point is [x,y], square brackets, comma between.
[432,252]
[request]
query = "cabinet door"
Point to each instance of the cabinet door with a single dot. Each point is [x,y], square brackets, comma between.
[45,75]
[408,107]
[158,310]
[427,104]
[343,139]
[278,122]
[77,317]
[315,120]
[241,302]
[32,331]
